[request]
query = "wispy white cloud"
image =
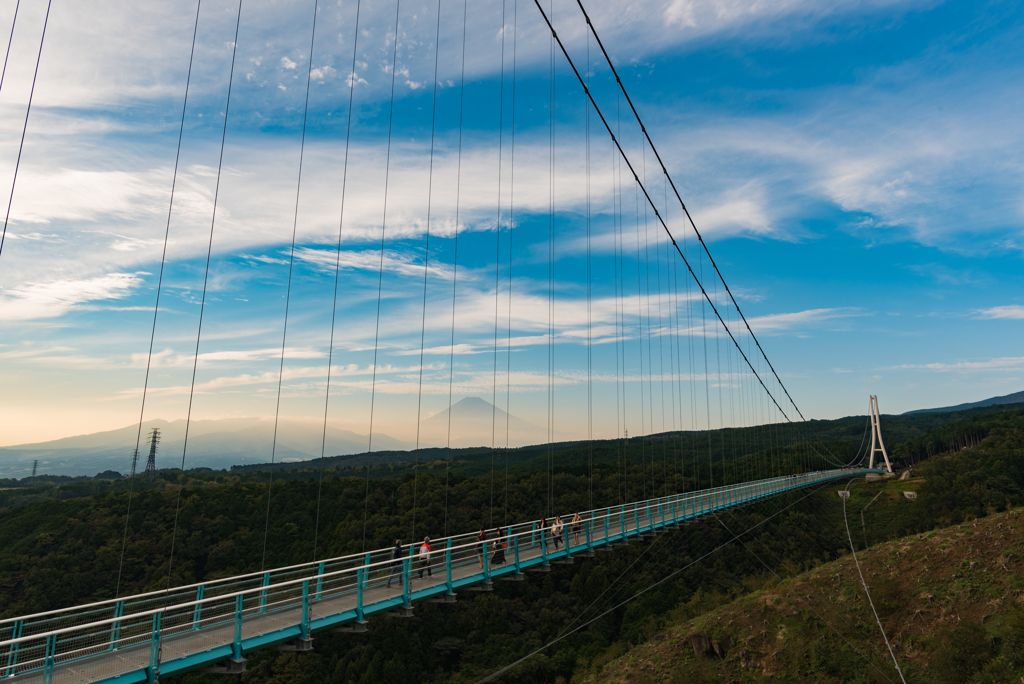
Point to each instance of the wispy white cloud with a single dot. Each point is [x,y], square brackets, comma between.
[1010,311]
[773,323]
[168,358]
[58,297]
[1007,363]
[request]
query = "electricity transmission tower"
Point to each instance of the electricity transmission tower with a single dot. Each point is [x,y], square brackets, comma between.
[35,466]
[151,462]
[877,445]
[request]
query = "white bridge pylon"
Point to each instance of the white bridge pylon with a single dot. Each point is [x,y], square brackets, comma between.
[877,445]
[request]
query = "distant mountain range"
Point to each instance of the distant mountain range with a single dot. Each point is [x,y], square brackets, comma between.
[220,444]
[1015,398]
[211,443]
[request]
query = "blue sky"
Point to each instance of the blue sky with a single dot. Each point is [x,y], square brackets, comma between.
[857,170]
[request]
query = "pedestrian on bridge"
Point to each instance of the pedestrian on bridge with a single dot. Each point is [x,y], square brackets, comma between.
[425,557]
[556,530]
[499,548]
[396,564]
[481,537]
[542,529]
[577,522]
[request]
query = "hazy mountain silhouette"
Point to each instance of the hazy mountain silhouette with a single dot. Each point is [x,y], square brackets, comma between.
[472,420]
[211,443]
[1015,398]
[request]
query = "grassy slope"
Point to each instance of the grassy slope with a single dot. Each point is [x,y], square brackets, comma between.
[948,599]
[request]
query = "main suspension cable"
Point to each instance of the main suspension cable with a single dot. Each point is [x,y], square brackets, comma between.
[643,128]
[650,202]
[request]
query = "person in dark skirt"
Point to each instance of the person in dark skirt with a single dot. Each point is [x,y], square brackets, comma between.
[498,559]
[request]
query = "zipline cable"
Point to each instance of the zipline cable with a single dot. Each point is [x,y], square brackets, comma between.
[867,592]
[24,128]
[802,600]
[638,594]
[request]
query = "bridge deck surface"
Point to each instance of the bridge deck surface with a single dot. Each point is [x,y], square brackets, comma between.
[269,625]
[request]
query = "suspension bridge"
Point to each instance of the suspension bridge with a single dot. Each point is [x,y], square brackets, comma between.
[682,351]
[212,625]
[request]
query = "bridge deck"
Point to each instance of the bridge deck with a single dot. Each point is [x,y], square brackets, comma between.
[141,641]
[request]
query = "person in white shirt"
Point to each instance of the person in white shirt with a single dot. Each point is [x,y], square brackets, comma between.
[556,530]
[425,557]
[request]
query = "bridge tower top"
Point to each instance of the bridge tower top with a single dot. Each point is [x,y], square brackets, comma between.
[877,445]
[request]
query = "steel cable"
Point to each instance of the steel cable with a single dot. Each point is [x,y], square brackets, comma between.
[380,270]
[156,305]
[24,128]
[288,289]
[337,272]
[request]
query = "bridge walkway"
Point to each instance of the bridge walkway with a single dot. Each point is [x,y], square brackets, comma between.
[162,634]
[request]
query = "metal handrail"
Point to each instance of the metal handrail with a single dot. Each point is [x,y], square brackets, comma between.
[684,496]
[337,559]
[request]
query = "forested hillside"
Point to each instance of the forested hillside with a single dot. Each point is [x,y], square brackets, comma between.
[61,552]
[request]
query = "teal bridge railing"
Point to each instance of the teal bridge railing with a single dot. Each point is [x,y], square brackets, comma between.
[212,625]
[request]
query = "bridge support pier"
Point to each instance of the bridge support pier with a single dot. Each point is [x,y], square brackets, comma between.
[357,627]
[514,577]
[445,598]
[546,567]
[232,667]
[296,646]
[487,585]
[400,612]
